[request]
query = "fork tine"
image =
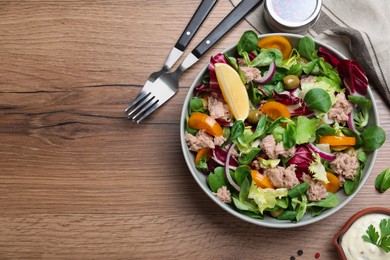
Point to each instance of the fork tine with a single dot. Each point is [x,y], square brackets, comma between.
[141,95]
[155,94]
[147,110]
[152,109]
[149,97]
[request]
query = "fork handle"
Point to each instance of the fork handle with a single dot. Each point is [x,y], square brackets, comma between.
[236,15]
[196,21]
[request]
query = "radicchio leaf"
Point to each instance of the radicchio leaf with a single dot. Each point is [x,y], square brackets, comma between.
[300,109]
[201,88]
[219,156]
[354,77]
[224,122]
[295,105]
[219,58]
[302,159]
[328,56]
[252,56]
[286,98]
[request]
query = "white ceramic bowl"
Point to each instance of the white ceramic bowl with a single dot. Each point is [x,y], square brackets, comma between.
[200,177]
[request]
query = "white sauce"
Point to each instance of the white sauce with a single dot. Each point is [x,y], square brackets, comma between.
[355,248]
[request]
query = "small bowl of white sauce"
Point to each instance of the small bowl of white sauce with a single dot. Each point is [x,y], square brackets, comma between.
[349,240]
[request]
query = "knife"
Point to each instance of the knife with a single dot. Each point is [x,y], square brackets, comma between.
[236,15]
[189,32]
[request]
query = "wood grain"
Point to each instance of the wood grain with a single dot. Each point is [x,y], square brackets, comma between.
[79,181]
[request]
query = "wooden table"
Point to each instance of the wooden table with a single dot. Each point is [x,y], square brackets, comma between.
[79,181]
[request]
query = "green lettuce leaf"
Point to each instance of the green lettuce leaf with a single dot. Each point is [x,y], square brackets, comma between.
[318,169]
[266,198]
[306,86]
[270,163]
[306,129]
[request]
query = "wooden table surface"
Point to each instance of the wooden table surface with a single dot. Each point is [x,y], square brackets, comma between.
[79,181]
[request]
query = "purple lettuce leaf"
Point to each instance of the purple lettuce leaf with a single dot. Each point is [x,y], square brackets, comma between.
[302,159]
[352,73]
[354,77]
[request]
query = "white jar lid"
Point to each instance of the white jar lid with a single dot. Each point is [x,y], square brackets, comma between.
[291,16]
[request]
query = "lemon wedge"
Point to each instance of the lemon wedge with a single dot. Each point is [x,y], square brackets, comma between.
[233,90]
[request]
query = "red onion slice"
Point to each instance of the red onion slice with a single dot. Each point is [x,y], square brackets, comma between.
[323,155]
[227,171]
[219,156]
[268,75]
[351,123]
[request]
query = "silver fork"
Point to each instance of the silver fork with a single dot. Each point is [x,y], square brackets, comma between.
[156,93]
[153,95]
[189,32]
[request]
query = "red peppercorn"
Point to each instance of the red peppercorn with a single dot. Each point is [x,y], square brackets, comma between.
[317,255]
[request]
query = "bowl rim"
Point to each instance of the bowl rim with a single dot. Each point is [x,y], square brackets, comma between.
[336,238]
[261,222]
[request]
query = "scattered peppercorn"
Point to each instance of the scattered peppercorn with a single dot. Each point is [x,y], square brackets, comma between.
[300,252]
[317,255]
[292,258]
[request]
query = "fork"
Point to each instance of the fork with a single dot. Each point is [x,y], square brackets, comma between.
[154,94]
[189,32]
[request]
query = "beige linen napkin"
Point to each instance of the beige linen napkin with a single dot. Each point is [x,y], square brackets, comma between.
[359,29]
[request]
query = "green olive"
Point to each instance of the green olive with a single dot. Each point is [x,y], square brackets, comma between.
[291,81]
[277,212]
[254,116]
[302,60]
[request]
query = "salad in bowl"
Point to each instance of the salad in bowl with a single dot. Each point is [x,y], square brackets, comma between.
[280,130]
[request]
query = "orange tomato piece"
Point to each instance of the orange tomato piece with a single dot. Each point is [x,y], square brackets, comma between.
[204,152]
[261,180]
[275,110]
[278,42]
[200,121]
[334,183]
[337,140]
